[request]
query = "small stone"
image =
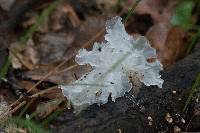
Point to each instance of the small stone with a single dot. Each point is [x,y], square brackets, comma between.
[177,129]
[119,130]
[197,100]
[150,120]
[182,120]
[168,118]
[174,92]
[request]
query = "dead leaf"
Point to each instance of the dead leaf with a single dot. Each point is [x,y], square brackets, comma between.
[106,5]
[31,19]
[21,55]
[52,46]
[55,93]
[27,85]
[175,46]
[157,36]
[89,31]
[61,76]
[6,4]
[60,15]
[89,28]
[45,109]
[170,42]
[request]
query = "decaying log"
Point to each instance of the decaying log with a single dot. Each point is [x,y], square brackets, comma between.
[130,115]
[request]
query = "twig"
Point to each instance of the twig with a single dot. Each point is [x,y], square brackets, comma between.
[193,90]
[43,91]
[26,107]
[18,107]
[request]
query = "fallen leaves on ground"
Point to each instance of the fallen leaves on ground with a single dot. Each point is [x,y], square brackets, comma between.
[52,46]
[45,109]
[23,56]
[60,15]
[6,4]
[171,42]
[65,75]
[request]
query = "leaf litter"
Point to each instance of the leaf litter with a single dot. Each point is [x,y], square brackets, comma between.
[34,71]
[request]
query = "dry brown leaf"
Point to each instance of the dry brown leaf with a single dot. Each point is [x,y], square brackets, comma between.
[52,46]
[53,94]
[170,42]
[106,5]
[59,16]
[25,56]
[27,85]
[32,18]
[45,109]
[157,36]
[61,76]
[6,4]
[89,29]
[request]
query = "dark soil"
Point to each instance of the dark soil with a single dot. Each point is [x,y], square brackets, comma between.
[131,116]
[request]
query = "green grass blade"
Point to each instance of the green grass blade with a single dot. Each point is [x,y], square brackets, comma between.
[194,41]
[194,89]
[40,20]
[131,11]
[25,123]
[4,69]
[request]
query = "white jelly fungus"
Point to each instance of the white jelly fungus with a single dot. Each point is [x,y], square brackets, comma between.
[113,63]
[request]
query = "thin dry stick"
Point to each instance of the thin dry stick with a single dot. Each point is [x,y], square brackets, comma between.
[89,42]
[24,63]
[131,11]
[47,75]
[189,123]
[62,63]
[66,69]
[43,91]
[17,107]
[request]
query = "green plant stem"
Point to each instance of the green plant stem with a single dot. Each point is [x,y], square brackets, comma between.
[118,5]
[131,11]
[195,87]
[114,66]
[40,20]
[28,34]
[5,68]
[25,123]
[195,39]
[52,116]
